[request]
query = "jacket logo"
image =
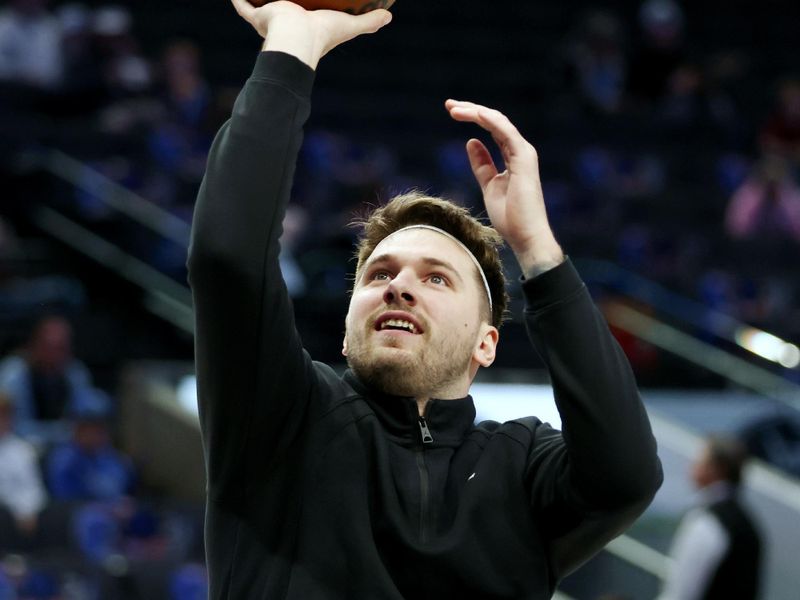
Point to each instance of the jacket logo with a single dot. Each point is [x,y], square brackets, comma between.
[470,477]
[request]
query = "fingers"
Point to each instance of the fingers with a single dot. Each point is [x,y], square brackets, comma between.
[244,8]
[481,161]
[502,129]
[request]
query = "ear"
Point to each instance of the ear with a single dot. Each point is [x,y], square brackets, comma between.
[344,345]
[486,350]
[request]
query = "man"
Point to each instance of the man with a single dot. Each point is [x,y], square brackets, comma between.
[44,380]
[377,484]
[717,548]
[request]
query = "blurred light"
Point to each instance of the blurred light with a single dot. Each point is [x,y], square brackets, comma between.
[768,346]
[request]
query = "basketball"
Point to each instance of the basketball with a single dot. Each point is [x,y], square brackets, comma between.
[355,7]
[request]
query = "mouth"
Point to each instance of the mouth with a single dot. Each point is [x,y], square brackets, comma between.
[400,322]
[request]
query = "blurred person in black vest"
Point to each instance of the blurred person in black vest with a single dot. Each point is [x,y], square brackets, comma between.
[717,548]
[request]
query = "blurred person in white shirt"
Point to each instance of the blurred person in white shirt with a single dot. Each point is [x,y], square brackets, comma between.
[716,551]
[22,493]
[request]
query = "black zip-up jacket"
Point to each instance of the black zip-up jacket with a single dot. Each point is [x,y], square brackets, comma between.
[319,488]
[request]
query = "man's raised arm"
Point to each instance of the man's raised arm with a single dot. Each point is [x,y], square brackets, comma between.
[253,376]
[590,483]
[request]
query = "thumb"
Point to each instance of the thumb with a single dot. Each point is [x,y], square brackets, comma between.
[480,160]
[342,27]
[369,22]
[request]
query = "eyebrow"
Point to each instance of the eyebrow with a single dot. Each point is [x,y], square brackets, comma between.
[428,260]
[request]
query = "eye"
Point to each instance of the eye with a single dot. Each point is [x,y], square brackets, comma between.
[380,276]
[437,279]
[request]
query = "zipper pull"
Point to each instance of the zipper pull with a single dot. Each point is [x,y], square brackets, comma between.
[427,438]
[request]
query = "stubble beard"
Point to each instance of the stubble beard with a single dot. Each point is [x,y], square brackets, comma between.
[417,374]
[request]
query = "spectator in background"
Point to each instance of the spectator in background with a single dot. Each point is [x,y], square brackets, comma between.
[44,380]
[179,139]
[30,45]
[599,62]
[82,88]
[22,493]
[124,70]
[781,133]
[717,548]
[661,50]
[767,204]
[88,467]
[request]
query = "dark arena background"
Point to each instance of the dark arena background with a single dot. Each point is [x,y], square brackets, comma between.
[669,139]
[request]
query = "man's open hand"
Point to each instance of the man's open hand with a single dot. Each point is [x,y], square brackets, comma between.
[513,198]
[307,34]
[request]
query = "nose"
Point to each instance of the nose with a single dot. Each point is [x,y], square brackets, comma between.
[398,291]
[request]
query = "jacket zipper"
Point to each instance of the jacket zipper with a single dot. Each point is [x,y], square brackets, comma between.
[424,484]
[425,433]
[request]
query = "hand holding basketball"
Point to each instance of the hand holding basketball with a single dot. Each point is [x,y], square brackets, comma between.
[307,34]
[354,7]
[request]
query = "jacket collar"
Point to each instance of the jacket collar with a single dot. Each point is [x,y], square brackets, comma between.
[448,421]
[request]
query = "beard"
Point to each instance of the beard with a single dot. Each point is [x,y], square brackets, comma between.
[419,373]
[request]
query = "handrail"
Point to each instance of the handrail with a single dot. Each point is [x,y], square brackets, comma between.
[688,311]
[166,298]
[702,353]
[640,555]
[116,196]
[665,300]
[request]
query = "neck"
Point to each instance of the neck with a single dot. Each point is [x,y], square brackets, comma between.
[453,391]
[421,404]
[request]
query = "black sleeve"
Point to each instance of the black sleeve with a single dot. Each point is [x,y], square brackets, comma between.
[596,476]
[254,379]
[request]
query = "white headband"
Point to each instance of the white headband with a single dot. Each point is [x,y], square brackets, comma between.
[457,241]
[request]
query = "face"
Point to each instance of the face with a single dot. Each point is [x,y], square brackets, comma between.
[704,472]
[414,327]
[51,347]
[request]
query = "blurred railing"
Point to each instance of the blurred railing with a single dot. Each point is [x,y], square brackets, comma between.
[697,323]
[116,196]
[164,296]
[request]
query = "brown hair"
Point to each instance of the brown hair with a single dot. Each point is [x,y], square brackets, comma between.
[729,455]
[417,208]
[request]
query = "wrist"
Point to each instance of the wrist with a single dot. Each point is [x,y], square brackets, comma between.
[539,257]
[292,36]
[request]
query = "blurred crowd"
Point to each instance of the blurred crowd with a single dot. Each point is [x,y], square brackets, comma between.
[659,159]
[714,212]
[74,520]
[709,203]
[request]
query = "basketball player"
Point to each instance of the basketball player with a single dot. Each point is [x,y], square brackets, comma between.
[377,484]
